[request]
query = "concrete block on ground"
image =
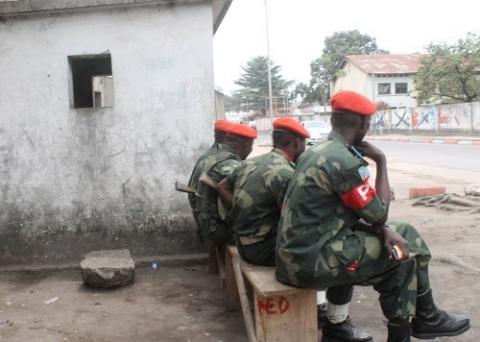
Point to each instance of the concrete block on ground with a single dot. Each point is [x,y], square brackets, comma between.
[108,269]
[426,191]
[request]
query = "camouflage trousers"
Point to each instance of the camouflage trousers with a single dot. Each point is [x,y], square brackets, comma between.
[398,283]
[263,254]
[216,231]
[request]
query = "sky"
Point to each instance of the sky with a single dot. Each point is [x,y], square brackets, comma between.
[298,29]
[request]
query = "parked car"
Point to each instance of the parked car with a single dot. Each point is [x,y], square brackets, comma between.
[317,129]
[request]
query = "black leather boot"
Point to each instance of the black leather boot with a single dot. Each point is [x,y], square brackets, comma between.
[430,322]
[398,331]
[344,331]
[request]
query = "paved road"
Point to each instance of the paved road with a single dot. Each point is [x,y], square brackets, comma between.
[461,157]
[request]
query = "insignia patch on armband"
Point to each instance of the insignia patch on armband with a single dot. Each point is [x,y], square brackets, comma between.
[359,197]
[364,172]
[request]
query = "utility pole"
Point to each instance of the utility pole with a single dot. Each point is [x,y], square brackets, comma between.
[269,65]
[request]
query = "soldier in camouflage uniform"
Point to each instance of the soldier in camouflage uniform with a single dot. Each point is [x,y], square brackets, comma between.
[205,161]
[259,189]
[237,146]
[322,241]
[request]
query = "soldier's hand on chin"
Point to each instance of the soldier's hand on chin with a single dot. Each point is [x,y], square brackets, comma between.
[371,151]
[392,238]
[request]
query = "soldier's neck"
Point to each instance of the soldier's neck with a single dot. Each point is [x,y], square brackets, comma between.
[348,135]
[287,153]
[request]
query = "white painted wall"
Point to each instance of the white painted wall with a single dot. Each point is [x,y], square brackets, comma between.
[393,99]
[355,79]
[62,163]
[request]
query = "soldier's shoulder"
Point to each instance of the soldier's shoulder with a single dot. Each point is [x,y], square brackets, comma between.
[223,154]
[334,154]
[343,158]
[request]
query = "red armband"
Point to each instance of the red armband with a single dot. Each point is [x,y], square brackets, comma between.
[359,197]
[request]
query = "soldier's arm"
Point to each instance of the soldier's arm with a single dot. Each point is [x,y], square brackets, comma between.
[224,173]
[225,192]
[277,182]
[356,193]
[382,185]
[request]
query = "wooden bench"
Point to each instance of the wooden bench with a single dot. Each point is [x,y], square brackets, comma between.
[217,265]
[281,312]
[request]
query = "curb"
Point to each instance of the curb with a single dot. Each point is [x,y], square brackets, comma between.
[449,141]
[426,191]
[176,260]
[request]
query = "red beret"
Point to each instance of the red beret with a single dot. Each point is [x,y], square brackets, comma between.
[222,125]
[353,102]
[292,126]
[242,131]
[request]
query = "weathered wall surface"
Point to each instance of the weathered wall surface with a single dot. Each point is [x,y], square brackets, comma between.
[76,180]
[459,118]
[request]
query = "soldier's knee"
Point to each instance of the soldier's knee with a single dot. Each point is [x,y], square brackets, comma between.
[403,228]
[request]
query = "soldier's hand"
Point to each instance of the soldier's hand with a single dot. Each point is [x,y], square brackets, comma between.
[371,151]
[392,238]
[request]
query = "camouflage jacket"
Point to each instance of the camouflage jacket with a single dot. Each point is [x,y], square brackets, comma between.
[205,161]
[259,188]
[217,166]
[327,195]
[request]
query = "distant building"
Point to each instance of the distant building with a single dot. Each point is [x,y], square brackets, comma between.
[219,103]
[104,104]
[387,79]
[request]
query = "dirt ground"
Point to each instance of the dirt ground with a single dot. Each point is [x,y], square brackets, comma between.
[186,304]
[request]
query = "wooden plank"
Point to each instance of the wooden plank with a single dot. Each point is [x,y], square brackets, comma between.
[232,302]
[287,317]
[247,313]
[220,252]
[263,278]
[233,251]
[264,281]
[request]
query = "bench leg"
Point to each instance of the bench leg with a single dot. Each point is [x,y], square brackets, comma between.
[287,317]
[243,296]
[220,252]
[212,259]
[232,302]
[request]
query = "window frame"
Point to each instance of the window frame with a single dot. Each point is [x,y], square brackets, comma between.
[406,88]
[384,84]
[76,83]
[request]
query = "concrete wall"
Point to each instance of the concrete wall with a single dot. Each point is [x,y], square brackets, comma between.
[76,180]
[459,118]
[219,104]
[15,7]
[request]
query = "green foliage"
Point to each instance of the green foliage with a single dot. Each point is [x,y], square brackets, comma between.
[253,85]
[336,47]
[450,73]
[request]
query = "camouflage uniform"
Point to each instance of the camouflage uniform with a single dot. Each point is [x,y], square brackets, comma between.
[317,244]
[205,161]
[259,189]
[212,226]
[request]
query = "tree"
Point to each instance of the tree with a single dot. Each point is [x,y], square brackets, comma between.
[253,85]
[336,47]
[450,73]
[230,104]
